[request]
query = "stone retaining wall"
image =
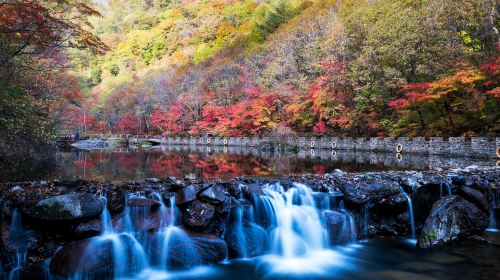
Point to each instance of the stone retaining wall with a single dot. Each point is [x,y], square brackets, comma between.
[452,146]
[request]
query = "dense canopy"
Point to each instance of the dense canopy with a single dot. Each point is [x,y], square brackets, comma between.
[247,67]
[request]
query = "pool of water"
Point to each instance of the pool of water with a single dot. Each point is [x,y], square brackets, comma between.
[207,162]
[380,258]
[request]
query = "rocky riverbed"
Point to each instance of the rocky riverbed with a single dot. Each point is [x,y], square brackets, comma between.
[73,228]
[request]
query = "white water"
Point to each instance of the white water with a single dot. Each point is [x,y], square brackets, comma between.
[16,236]
[130,245]
[492,226]
[296,235]
[412,218]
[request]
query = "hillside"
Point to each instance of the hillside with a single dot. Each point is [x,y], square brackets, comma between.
[248,67]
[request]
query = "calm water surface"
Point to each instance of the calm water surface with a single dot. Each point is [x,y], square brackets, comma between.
[207,162]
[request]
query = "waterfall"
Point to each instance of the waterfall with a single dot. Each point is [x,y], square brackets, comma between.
[410,209]
[128,255]
[295,226]
[169,234]
[448,188]
[17,236]
[492,226]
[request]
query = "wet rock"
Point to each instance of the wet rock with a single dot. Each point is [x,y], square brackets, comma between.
[475,197]
[187,194]
[198,214]
[362,193]
[458,180]
[143,202]
[94,257]
[89,228]
[235,190]
[206,249]
[246,240]
[175,183]
[116,201]
[67,207]
[328,200]
[214,194]
[16,189]
[252,189]
[393,204]
[423,199]
[452,218]
[412,181]
[340,226]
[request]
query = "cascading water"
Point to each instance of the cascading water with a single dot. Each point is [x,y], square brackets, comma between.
[410,209]
[281,226]
[492,226]
[170,233]
[17,236]
[298,227]
[128,255]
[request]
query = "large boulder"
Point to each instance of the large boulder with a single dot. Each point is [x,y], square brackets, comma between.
[116,201]
[214,194]
[207,249]
[475,197]
[186,249]
[246,240]
[95,258]
[67,207]
[199,214]
[424,198]
[361,193]
[340,226]
[452,218]
[187,194]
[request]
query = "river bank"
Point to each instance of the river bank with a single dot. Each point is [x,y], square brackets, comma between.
[68,228]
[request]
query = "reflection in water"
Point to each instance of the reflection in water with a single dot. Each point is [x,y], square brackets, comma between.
[208,162]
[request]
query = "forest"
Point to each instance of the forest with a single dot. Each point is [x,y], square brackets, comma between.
[248,68]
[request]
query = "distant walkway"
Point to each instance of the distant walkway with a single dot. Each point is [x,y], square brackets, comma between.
[483,147]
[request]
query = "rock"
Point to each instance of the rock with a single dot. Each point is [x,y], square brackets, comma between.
[208,249]
[198,214]
[143,202]
[152,180]
[327,200]
[67,207]
[458,180]
[94,257]
[475,197]
[361,193]
[412,181]
[214,194]
[89,228]
[339,172]
[423,199]
[246,240]
[251,190]
[235,190]
[452,218]
[16,189]
[340,226]
[175,183]
[116,201]
[187,194]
